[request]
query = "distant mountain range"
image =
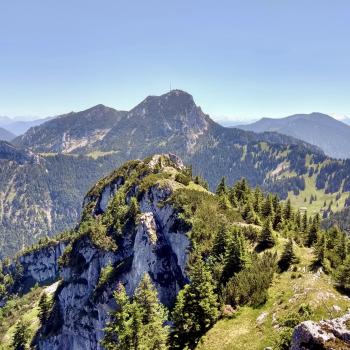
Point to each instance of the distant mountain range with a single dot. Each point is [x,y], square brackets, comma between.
[63,157]
[17,126]
[331,135]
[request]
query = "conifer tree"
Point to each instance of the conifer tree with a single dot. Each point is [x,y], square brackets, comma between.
[220,241]
[248,212]
[320,250]
[275,201]
[257,200]
[298,220]
[153,333]
[21,336]
[343,274]
[222,188]
[196,308]
[133,210]
[305,223]
[137,324]
[288,210]
[122,332]
[268,209]
[341,248]
[314,229]
[288,257]
[224,202]
[242,191]
[44,308]
[232,197]
[278,218]
[266,239]
[235,255]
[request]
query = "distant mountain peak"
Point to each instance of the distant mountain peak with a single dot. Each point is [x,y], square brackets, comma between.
[178,98]
[319,129]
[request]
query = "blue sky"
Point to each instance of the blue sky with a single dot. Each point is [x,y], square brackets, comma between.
[239,59]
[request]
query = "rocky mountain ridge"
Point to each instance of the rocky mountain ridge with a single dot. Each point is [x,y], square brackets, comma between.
[152,246]
[70,132]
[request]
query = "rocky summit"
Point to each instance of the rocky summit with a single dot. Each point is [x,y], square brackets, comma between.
[152,244]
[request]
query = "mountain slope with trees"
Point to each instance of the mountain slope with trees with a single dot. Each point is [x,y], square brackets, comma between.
[6,135]
[145,243]
[70,132]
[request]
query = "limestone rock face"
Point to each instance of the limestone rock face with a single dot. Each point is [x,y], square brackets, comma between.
[155,246]
[330,334]
[41,266]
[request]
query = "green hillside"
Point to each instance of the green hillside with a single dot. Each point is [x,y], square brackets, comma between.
[255,328]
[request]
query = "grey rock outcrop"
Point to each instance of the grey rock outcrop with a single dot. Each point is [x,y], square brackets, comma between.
[155,246]
[323,335]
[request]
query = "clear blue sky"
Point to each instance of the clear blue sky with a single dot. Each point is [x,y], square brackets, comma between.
[239,59]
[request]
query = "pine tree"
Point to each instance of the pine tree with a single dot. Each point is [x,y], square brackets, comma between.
[341,248]
[305,223]
[257,200]
[288,211]
[137,324]
[44,308]
[232,197]
[268,209]
[343,274]
[242,191]
[153,333]
[122,332]
[21,336]
[196,308]
[224,202]
[134,209]
[266,239]
[320,250]
[314,229]
[222,188]
[235,255]
[248,212]
[278,218]
[288,257]
[220,241]
[298,220]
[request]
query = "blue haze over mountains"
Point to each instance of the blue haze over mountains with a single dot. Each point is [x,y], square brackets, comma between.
[331,135]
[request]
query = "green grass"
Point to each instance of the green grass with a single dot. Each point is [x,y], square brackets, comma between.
[316,206]
[25,308]
[21,308]
[286,294]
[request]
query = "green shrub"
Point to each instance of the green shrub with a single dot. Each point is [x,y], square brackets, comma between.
[105,274]
[250,285]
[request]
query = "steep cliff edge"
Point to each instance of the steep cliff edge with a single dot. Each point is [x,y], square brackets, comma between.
[129,227]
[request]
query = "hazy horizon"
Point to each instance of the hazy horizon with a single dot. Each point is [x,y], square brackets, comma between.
[240,60]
